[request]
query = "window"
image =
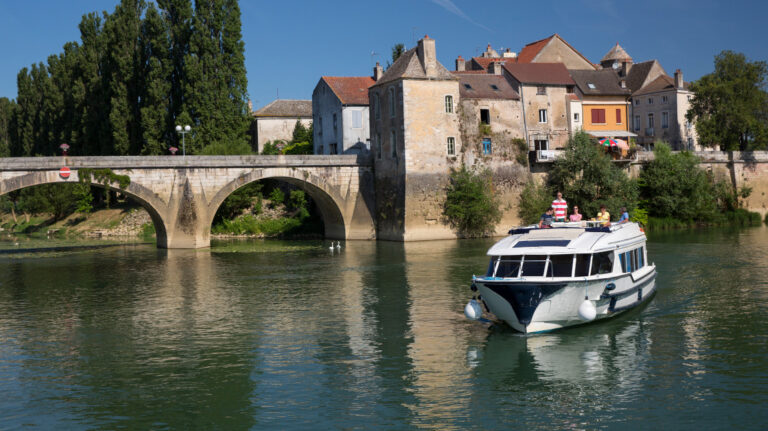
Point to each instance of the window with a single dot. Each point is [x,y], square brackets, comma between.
[320,149]
[664,99]
[542,115]
[582,265]
[509,267]
[541,89]
[357,119]
[618,116]
[541,144]
[665,120]
[334,123]
[637,122]
[485,116]
[449,104]
[650,100]
[376,106]
[494,87]
[467,86]
[569,89]
[602,263]
[332,148]
[320,126]
[637,101]
[391,102]
[576,117]
[378,145]
[451,146]
[560,265]
[598,116]
[591,86]
[632,260]
[393,143]
[533,266]
[487,146]
[650,120]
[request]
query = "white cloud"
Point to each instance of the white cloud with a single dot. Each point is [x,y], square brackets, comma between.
[451,7]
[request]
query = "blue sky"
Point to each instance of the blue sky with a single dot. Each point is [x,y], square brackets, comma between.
[291,43]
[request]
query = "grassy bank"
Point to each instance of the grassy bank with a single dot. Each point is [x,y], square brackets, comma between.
[739,217]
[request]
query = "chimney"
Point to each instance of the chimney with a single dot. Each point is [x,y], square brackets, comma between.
[427,56]
[509,54]
[461,65]
[678,79]
[377,71]
[623,83]
[495,68]
[627,66]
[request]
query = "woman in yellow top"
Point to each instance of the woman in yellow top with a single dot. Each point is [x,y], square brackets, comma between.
[603,216]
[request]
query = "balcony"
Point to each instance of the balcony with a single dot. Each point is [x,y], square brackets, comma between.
[649,131]
[547,155]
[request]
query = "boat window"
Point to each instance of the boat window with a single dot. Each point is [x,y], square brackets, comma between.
[582,265]
[632,260]
[640,258]
[560,265]
[623,261]
[533,266]
[602,263]
[491,266]
[508,267]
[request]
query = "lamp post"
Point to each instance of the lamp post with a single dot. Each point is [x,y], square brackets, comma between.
[183,130]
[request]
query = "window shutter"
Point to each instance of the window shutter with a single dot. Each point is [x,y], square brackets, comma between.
[595,116]
[618,116]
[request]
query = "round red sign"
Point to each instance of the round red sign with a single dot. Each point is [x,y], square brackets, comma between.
[64,172]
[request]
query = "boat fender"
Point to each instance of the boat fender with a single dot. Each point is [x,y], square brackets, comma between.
[610,287]
[473,287]
[472,310]
[587,311]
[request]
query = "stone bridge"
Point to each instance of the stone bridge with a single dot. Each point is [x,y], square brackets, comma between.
[182,194]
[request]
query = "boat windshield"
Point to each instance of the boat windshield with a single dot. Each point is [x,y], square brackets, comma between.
[555,265]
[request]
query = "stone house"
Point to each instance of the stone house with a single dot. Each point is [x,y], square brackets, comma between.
[340,115]
[276,121]
[544,89]
[414,125]
[553,49]
[604,99]
[659,110]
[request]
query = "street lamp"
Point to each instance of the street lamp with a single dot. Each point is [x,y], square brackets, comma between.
[183,130]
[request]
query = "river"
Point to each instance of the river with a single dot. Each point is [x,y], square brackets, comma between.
[289,335]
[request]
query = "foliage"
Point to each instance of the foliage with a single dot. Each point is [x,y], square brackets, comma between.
[241,199]
[276,196]
[730,105]
[484,129]
[226,149]
[134,75]
[534,201]
[298,203]
[270,148]
[470,206]
[521,153]
[250,225]
[84,198]
[587,178]
[640,215]
[59,200]
[147,231]
[397,50]
[302,133]
[298,148]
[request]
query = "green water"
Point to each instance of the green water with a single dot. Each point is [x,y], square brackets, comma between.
[287,335]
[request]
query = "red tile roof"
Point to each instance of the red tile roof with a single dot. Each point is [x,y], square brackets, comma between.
[540,73]
[484,62]
[530,51]
[351,90]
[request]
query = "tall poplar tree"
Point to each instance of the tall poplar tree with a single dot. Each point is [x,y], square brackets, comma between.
[156,78]
[7,108]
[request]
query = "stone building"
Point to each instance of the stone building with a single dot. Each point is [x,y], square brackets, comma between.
[544,89]
[340,115]
[604,99]
[553,49]
[414,125]
[275,122]
[659,110]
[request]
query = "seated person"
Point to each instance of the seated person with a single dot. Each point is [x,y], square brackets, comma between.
[547,218]
[576,216]
[624,215]
[604,216]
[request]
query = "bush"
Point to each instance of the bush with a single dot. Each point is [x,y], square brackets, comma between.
[534,201]
[250,225]
[470,206]
[276,196]
[298,148]
[229,149]
[298,202]
[240,200]
[640,215]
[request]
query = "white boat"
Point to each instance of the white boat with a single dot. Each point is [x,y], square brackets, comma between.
[545,279]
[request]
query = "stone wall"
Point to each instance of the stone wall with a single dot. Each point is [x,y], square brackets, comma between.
[555,129]
[276,128]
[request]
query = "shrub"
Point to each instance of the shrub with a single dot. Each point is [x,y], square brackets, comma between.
[534,201]
[640,215]
[270,148]
[276,196]
[298,202]
[470,206]
[298,148]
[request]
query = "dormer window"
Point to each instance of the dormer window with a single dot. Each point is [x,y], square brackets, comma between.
[591,86]
[494,87]
[467,86]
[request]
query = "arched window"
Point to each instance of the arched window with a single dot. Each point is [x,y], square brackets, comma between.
[376,106]
[391,102]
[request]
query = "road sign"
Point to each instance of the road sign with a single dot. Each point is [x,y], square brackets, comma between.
[64,172]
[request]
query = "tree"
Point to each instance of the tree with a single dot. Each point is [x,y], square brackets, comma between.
[397,50]
[301,133]
[7,110]
[156,83]
[470,206]
[587,178]
[730,105]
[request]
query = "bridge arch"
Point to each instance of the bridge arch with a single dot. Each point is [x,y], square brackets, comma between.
[145,197]
[332,206]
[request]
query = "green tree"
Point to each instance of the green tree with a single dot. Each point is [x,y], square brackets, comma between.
[7,110]
[587,178]
[534,201]
[270,148]
[397,50]
[301,133]
[470,206]
[156,83]
[730,105]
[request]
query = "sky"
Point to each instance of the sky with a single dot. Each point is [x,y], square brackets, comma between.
[290,44]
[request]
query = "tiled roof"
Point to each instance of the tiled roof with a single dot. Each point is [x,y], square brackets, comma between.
[286,108]
[639,73]
[409,66]
[571,96]
[351,90]
[603,82]
[616,53]
[530,51]
[484,62]
[540,73]
[481,86]
[662,83]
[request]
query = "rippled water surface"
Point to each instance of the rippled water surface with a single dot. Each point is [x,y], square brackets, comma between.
[287,335]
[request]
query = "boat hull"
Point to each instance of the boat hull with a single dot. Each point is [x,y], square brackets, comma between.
[531,306]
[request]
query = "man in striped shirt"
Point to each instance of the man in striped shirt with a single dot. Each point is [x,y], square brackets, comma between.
[560,206]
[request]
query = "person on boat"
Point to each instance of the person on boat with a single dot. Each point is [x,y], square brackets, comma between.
[576,216]
[560,206]
[547,218]
[604,216]
[624,215]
